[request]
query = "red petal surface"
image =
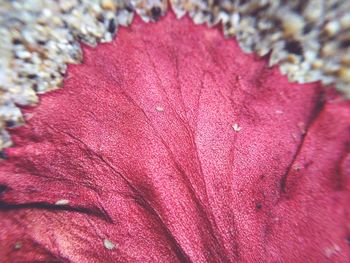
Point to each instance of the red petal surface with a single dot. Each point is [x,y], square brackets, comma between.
[170,145]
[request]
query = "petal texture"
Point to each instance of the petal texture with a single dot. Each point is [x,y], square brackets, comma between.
[171,145]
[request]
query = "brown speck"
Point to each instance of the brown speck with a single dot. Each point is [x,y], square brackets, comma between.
[112,26]
[3,188]
[3,155]
[10,123]
[108,5]
[294,47]
[156,12]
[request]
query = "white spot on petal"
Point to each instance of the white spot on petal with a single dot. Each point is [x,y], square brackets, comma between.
[297,167]
[236,127]
[62,202]
[330,251]
[159,108]
[109,244]
[18,245]
[302,127]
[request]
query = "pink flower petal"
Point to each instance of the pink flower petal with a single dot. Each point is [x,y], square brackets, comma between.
[171,145]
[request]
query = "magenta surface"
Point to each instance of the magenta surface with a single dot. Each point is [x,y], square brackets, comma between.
[140,141]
